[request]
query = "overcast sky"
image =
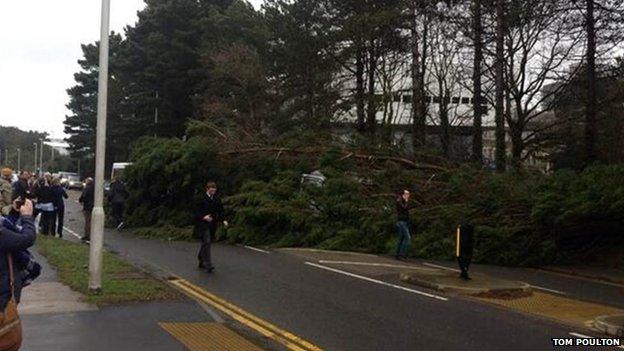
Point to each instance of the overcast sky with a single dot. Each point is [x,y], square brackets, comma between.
[39,46]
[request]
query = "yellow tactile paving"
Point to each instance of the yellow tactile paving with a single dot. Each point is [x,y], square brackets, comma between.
[269,330]
[208,337]
[556,307]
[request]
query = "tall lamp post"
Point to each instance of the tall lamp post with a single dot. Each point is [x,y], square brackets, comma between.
[41,155]
[97,217]
[36,153]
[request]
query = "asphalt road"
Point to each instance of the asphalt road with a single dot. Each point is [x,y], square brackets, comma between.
[337,311]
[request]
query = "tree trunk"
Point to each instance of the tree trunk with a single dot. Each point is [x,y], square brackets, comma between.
[445,136]
[590,113]
[359,88]
[371,113]
[517,147]
[501,163]
[418,125]
[477,130]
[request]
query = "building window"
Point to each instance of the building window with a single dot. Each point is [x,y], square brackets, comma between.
[456,99]
[396,97]
[465,100]
[407,99]
[436,99]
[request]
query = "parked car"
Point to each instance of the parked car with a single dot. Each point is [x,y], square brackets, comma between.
[74,182]
[64,177]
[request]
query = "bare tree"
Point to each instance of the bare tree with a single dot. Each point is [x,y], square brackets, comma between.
[501,163]
[445,72]
[539,54]
[477,129]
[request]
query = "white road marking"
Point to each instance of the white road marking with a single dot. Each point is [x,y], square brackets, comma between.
[547,289]
[578,335]
[72,232]
[256,249]
[372,264]
[377,281]
[441,267]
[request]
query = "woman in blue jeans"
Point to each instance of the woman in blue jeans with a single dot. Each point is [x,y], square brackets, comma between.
[403,219]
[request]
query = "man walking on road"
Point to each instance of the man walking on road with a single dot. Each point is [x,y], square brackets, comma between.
[87,200]
[209,212]
[117,197]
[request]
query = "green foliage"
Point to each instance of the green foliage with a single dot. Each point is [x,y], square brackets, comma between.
[283,212]
[521,219]
[165,177]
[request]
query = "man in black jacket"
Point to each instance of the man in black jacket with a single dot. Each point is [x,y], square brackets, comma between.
[117,197]
[208,213]
[87,200]
[21,188]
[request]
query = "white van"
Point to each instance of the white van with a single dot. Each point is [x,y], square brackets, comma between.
[118,168]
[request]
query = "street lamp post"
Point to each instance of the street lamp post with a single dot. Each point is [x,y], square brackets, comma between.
[97,219]
[41,155]
[36,153]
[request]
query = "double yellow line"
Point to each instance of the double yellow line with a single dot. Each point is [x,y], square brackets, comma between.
[265,328]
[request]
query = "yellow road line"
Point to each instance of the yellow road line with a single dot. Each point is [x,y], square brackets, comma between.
[265,328]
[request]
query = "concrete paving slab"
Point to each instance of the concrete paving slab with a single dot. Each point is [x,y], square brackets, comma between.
[448,281]
[51,297]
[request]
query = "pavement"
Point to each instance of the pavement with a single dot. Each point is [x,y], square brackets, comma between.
[55,318]
[316,300]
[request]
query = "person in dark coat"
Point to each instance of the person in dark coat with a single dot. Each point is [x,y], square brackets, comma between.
[403,218]
[21,188]
[208,213]
[59,205]
[45,204]
[87,199]
[13,242]
[117,197]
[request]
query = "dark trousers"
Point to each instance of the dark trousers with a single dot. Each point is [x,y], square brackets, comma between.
[48,222]
[87,224]
[118,210]
[60,217]
[404,238]
[204,255]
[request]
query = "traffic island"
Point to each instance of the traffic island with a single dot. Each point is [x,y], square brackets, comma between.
[480,285]
[611,325]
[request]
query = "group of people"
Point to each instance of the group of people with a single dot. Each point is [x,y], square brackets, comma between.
[46,193]
[17,235]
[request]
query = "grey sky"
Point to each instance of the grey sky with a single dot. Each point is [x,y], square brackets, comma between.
[39,46]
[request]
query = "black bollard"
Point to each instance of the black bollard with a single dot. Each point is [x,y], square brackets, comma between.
[464,242]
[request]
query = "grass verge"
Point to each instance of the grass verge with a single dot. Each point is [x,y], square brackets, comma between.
[121,282]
